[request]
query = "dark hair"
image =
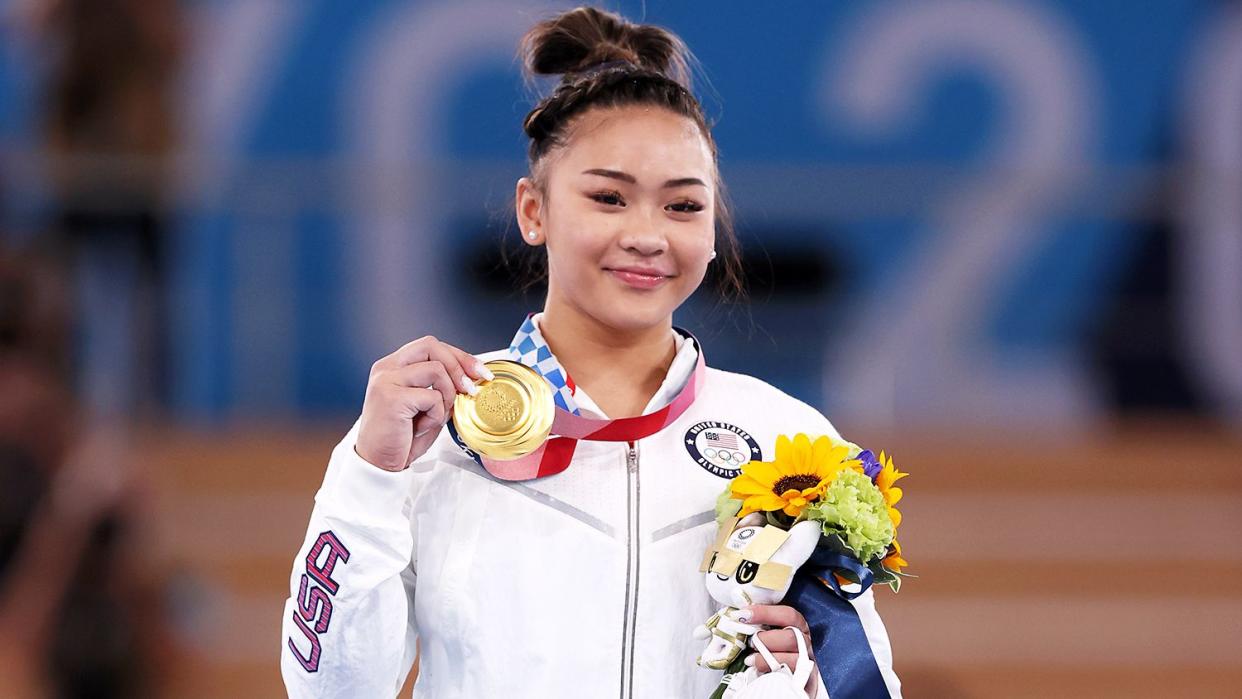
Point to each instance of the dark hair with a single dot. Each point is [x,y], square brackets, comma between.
[606,61]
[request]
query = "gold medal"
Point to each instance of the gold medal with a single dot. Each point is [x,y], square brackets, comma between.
[510,416]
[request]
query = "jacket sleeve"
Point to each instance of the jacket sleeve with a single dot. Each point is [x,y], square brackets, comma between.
[347,629]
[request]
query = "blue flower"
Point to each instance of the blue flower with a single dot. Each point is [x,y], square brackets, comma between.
[871,465]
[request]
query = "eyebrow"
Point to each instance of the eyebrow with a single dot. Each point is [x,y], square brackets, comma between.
[626,177]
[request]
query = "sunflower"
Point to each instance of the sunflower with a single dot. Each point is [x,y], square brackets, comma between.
[893,561]
[884,480]
[795,478]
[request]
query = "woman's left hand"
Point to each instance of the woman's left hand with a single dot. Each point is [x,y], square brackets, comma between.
[781,640]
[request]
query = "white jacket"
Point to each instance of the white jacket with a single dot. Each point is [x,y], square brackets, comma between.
[582,584]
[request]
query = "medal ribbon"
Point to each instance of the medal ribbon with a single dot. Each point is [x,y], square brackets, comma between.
[554,455]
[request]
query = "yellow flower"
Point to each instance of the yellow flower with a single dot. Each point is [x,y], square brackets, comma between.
[894,561]
[884,481]
[795,478]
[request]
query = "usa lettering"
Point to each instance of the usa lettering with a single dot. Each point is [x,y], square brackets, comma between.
[314,603]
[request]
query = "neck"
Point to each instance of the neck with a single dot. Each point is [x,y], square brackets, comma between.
[628,364]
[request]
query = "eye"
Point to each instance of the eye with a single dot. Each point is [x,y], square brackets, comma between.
[686,207]
[746,572]
[609,198]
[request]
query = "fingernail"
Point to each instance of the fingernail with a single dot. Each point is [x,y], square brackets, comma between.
[484,371]
[750,660]
[468,385]
[745,615]
[419,434]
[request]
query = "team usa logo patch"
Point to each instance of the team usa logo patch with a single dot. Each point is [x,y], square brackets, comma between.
[314,601]
[721,448]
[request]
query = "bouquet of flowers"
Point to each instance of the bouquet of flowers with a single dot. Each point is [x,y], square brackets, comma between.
[847,489]
[824,507]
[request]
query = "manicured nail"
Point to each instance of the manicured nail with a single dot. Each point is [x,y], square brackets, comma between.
[745,615]
[484,371]
[750,660]
[468,385]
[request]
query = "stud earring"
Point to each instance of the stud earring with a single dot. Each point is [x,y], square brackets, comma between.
[532,235]
[713,255]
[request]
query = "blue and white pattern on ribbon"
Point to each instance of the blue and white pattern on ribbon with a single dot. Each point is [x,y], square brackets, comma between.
[529,348]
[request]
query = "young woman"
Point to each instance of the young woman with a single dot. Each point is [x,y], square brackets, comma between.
[583,581]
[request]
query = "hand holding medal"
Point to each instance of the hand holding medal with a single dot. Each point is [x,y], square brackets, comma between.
[410,394]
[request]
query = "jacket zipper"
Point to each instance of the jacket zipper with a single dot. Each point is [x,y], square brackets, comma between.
[631,571]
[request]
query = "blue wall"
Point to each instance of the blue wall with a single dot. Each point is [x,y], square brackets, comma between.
[887,194]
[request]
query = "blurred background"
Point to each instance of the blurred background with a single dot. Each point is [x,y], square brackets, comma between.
[1002,240]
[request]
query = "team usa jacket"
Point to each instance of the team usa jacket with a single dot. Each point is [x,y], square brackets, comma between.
[581,584]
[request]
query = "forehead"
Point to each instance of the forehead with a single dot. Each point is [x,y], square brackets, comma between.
[649,142]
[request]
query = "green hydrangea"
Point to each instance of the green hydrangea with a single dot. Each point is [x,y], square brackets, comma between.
[727,506]
[854,509]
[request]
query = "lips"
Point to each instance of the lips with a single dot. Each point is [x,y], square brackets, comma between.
[639,277]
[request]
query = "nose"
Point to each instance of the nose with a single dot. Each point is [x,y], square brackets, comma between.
[645,238]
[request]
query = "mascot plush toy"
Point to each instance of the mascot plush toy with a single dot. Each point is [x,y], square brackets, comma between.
[751,562]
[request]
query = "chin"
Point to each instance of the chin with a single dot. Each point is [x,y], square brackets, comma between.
[627,314]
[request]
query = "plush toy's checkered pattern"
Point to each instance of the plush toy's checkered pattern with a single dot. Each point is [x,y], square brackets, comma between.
[529,348]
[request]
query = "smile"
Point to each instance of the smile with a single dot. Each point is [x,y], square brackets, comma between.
[638,280]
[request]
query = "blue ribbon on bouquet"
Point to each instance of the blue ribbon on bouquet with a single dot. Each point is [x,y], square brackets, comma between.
[842,652]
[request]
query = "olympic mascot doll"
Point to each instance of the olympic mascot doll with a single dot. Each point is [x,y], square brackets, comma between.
[754,565]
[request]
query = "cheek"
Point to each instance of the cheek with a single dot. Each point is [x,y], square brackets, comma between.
[574,253]
[574,260]
[560,222]
[694,252]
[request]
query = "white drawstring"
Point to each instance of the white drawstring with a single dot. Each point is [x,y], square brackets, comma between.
[773,664]
[803,673]
[798,679]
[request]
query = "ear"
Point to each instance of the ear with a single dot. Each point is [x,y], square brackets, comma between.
[528,202]
[803,538]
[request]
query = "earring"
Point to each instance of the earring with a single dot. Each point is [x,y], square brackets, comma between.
[713,255]
[532,235]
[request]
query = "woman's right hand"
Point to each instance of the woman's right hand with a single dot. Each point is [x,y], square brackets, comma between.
[410,396]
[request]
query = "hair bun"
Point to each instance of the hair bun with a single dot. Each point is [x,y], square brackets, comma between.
[576,40]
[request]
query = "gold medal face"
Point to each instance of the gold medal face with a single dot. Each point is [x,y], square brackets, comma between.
[510,416]
[499,406]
